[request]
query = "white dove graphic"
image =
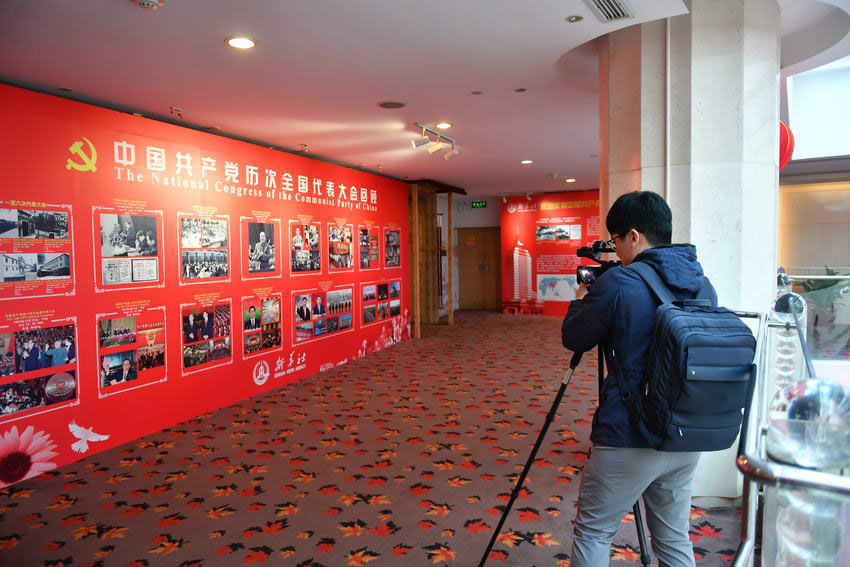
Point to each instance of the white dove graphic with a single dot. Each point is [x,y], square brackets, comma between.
[84,434]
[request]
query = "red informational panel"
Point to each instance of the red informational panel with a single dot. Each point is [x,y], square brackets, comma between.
[540,237]
[151,273]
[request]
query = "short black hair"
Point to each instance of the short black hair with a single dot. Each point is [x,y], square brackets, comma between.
[644,211]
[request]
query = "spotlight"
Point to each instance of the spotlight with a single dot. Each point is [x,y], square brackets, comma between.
[421,141]
[528,195]
[436,147]
[504,200]
[451,153]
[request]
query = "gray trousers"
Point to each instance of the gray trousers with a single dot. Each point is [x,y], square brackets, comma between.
[613,479]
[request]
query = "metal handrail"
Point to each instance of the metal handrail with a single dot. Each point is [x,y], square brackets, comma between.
[759,470]
[764,471]
[834,277]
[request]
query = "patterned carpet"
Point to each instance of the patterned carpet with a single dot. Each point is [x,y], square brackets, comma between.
[405,457]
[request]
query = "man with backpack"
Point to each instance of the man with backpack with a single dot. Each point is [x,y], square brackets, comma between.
[619,313]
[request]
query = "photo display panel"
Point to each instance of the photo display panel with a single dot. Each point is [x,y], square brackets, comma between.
[540,237]
[36,246]
[151,266]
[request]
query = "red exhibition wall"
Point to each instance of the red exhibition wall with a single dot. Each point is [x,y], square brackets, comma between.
[540,237]
[152,273]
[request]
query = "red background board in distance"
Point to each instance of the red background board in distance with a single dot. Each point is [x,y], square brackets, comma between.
[540,238]
[92,211]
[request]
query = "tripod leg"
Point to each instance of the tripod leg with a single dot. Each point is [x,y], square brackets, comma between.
[521,480]
[644,552]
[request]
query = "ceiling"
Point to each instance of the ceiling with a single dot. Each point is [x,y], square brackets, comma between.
[321,66]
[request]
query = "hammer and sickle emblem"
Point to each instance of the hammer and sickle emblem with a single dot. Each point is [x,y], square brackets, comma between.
[89,161]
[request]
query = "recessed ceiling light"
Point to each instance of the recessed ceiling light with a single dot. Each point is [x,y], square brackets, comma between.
[240,42]
[63,89]
[575,18]
[443,125]
[477,92]
[526,162]
[520,90]
[570,180]
[390,104]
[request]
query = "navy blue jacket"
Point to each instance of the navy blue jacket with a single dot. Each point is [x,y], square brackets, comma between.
[618,312]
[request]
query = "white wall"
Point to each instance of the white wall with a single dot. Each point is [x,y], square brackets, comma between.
[814,227]
[819,114]
[464,216]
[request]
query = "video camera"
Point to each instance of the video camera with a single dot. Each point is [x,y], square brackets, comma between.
[589,274]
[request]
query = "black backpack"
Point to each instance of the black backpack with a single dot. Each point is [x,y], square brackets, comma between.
[699,373]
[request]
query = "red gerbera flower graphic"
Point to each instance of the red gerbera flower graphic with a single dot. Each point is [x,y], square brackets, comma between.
[24,455]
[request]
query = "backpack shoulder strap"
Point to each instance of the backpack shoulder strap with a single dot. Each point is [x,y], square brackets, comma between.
[648,274]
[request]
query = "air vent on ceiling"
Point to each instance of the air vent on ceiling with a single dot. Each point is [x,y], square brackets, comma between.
[149,4]
[611,10]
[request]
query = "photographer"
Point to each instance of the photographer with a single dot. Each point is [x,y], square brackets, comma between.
[618,313]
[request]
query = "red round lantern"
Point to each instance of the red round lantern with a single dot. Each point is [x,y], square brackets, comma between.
[786,145]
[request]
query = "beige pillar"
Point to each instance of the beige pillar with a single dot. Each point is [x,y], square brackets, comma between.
[689,109]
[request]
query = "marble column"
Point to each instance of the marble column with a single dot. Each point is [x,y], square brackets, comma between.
[689,108]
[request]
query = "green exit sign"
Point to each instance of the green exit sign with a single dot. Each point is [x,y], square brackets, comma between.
[479,204]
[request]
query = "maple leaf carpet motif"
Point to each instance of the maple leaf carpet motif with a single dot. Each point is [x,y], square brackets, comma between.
[405,457]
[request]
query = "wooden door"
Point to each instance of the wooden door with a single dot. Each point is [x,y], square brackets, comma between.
[480,268]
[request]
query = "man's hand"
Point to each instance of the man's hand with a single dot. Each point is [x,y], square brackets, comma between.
[581,291]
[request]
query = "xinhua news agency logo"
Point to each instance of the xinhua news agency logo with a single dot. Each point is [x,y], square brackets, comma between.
[82,160]
[261,372]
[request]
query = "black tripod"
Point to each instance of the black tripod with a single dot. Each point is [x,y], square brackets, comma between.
[576,358]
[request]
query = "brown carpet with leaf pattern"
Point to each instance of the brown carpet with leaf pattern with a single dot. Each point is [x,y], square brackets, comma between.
[405,457]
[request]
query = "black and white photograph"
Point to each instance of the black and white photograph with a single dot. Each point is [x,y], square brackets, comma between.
[395,307]
[117,331]
[261,247]
[19,267]
[393,248]
[369,293]
[45,348]
[118,367]
[368,314]
[303,308]
[42,224]
[306,261]
[204,264]
[203,233]
[128,235]
[395,289]
[53,266]
[545,232]
[345,321]
[383,291]
[8,223]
